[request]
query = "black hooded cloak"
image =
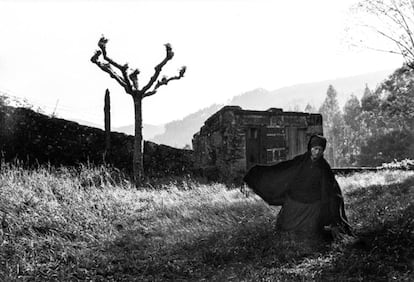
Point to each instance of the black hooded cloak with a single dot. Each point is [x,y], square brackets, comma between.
[282,182]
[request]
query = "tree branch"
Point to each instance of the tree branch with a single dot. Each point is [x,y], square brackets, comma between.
[102,45]
[395,16]
[169,55]
[399,44]
[124,72]
[149,93]
[106,67]
[95,57]
[129,81]
[412,6]
[123,68]
[134,78]
[382,50]
[165,81]
[405,26]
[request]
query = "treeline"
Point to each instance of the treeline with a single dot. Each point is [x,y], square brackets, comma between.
[377,129]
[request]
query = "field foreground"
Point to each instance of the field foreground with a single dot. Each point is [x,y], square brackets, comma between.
[58,225]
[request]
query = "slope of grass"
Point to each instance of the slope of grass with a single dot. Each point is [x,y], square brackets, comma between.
[58,224]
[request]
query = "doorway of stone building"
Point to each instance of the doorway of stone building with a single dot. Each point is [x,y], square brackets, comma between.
[253,145]
[296,141]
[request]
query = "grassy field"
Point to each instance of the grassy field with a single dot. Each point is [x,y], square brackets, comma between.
[63,225]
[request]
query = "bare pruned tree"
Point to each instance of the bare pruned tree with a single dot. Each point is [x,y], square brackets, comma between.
[390,20]
[128,79]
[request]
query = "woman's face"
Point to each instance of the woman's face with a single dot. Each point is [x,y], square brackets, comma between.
[316,152]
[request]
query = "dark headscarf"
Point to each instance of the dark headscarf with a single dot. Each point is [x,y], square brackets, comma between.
[317,140]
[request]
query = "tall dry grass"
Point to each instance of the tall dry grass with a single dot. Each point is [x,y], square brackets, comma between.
[61,224]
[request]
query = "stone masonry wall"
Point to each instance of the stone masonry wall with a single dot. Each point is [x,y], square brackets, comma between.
[35,138]
[219,147]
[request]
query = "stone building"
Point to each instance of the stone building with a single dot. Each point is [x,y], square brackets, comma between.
[233,140]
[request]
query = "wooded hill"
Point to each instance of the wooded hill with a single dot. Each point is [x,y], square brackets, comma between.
[376,129]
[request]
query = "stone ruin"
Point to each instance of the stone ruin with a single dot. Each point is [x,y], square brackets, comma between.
[233,140]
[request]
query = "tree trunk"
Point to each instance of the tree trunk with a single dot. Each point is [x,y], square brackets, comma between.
[107,111]
[138,160]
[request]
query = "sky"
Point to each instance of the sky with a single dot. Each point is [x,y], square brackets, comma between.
[229,47]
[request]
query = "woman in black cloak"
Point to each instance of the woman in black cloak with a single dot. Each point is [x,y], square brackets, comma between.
[306,189]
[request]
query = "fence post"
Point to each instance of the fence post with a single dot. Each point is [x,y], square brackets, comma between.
[107,111]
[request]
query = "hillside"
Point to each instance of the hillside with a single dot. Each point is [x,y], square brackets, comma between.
[314,93]
[58,225]
[179,133]
[149,131]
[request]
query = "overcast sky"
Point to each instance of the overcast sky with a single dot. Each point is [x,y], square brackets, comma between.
[229,47]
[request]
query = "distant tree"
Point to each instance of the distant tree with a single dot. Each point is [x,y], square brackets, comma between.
[333,125]
[352,110]
[3,100]
[371,119]
[397,105]
[296,108]
[391,21]
[387,120]
[352,131]
[128,79]
[370,101]
[310,109]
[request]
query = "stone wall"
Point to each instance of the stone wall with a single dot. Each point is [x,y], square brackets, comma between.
[162,160]
[35,138]
[224,145]
[220,148]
